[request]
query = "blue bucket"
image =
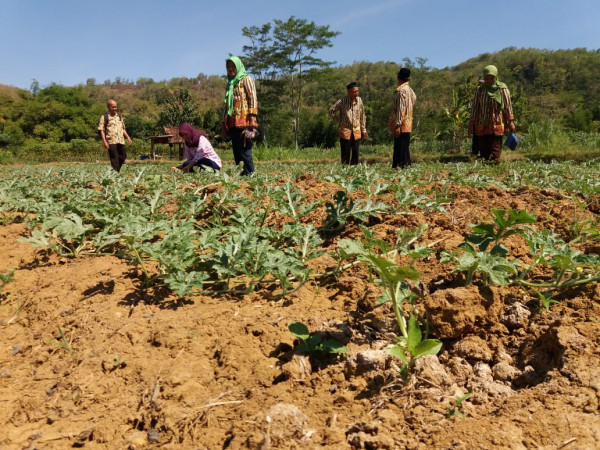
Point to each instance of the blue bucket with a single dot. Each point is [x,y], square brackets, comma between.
[511,141]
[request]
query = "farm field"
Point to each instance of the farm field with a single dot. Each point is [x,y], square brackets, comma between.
[309,306]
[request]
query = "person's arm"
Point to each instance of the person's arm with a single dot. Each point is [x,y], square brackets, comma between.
[509,118]
[363,121]
[127,136]
[334,112]
[101,130]
[184,167]
[252,99]
[397,112]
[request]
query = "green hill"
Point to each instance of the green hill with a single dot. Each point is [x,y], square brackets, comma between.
[558,87]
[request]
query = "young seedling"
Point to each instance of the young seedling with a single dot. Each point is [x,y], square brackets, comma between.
[314,343]
[119,363]
[395,282]
[6,278]
[455,409]
[64,344]
[414,345]
[546,300]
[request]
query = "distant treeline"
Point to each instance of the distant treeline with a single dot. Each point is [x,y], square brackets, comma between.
[558,86]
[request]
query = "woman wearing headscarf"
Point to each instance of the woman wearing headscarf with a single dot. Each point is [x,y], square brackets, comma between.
[491,114]
[198,150]
[241,108]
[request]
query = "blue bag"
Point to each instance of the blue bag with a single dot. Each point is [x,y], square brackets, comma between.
[511,141]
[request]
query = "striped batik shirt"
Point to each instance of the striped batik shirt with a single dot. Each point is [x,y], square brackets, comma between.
[245,103]
[350,117]
[402,108]
[486,114]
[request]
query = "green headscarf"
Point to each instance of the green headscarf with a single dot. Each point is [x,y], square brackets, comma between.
[494,90]
[231,82]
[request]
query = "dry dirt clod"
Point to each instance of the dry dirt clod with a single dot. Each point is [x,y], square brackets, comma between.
[283,424]
[517,316]
[367,361]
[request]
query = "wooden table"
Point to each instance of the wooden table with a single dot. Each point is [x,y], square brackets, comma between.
[164,139]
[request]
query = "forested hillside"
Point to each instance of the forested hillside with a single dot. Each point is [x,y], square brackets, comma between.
[560,87]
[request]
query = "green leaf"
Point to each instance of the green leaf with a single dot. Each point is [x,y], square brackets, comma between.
[414,334]
[333,346]
[299,330]
[427,347]
[398,352]
[351,247]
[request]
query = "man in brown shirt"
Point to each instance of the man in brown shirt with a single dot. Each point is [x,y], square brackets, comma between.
[349,114]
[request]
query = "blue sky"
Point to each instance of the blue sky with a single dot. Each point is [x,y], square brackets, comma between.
[69,41]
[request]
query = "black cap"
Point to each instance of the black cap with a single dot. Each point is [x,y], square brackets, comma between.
[404,73]
[352,85]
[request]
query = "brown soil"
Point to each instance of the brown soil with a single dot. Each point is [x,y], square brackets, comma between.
[219,371]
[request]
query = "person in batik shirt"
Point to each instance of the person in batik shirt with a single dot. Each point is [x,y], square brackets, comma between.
[241,108]
[113,133]
[491,114]
[402,119]
[349,114]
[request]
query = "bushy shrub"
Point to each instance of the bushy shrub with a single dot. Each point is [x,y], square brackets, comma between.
[4,140]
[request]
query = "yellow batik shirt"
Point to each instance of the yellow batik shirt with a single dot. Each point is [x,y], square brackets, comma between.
[114,129]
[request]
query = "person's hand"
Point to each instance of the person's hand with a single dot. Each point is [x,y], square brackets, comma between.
[365,135]
[511,126]
[224,133]
[252,124]
[129,140]
[397,131]
[106,145]
[175,169]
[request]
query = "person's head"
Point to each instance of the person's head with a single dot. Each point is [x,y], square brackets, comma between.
[234,65]
[403,75]
[111,105]
[490,75]
[231,69]
[186,131]
[352,90]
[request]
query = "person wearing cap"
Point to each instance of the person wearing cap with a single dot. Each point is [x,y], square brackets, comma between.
[349,114]
[241,108]
[402,119]
[491,114]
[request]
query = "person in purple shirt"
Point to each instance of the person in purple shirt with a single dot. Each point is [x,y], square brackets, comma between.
[198,150]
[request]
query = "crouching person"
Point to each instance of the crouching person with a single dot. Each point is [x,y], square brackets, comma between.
[198,150]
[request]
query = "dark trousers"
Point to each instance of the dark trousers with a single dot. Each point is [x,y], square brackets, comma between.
[475,145]
[117,155]
[349,149]
[242,150]
[490,146]
[401,157]
[205,163]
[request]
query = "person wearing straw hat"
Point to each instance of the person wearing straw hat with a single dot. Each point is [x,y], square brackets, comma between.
[491,114]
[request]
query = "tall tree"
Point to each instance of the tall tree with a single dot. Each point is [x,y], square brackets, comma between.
[179,108]
[295,44]
[287,53]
